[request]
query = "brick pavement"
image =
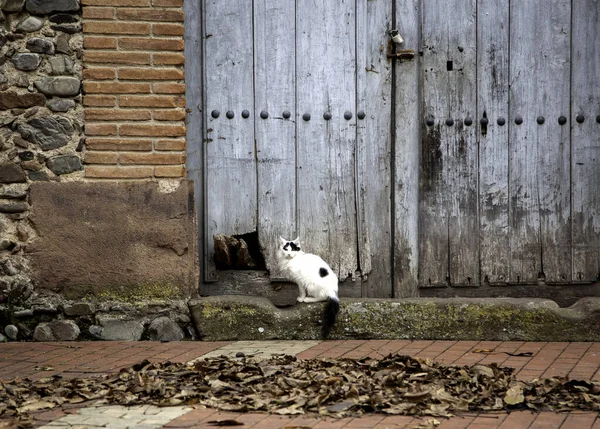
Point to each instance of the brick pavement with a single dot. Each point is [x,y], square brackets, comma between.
[36,360]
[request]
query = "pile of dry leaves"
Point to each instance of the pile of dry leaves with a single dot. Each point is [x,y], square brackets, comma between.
[286,385]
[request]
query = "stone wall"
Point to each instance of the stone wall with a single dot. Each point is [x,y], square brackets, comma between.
[97,222]
[41,119]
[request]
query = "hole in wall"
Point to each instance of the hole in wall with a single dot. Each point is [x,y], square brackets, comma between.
[449,65]
[238,252]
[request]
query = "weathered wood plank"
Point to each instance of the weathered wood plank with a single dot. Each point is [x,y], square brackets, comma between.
[406,155]
[195,166]
[449,223]
[585,140]
[373,148]
[275,93]
[326,82]
[539,154]
[231,201]
[492,102]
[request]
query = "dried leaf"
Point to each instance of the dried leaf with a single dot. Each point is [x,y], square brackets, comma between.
[35,406]
[514,395]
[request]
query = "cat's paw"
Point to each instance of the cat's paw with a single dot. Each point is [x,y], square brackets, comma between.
[300,299]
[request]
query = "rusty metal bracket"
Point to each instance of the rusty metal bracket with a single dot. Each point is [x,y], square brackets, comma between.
[402,54]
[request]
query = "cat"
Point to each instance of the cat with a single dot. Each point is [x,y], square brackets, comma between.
[315,279]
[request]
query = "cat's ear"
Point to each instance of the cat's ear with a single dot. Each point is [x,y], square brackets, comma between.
[297,240]
[283,240]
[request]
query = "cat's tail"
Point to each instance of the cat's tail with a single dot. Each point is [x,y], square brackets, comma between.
[332,307]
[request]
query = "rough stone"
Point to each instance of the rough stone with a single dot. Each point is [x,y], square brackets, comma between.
[164,329]
[63,18]
[62,44]
[85,236]
[26,61]
[46,7]
[67,28]
[30,24]
[26,155]
[31,165]
[224,318]
[6,244]
[12,194]
[43,333]
[12,6]
[113,328]
[19,141]
[11,332]
[61,64]
[62,86]
[64,164]
[41,46]
[79,309]
[11,173]
[12,100]
[64,330]
[6,119]
[49,132]
[2,338]
[60,104]
[7,268]
[23,313]
[37,176]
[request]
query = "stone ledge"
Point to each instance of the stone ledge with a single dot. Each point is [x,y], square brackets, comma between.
[230,318]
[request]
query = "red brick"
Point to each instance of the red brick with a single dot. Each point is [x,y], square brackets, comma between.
[167,3]
[99,100]
[170,144]
[576,420]
[168,88]
[102,27]
[121,3]
[115,88]
[169,171]
[116,57]
[117,115]
[109,172]
[98,12]
[168,58]
[149,44]
[546,420]
[99,129]
[169,115]
[101,158]
[151,101]
[152,158]
[144,73]
[98,42]
[99,73]
[163,15]
[518,420]
[167,29]
[163,130]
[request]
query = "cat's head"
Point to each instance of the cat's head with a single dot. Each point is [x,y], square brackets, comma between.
[290,248]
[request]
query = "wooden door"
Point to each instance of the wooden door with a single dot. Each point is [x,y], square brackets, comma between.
[297,118]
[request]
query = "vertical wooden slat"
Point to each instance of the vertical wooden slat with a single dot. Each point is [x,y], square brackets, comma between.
[406,154]
[585,163]
[449,223]
[274,82]
[373,147]
[194,106]
[231,165]
[492,101]
[539,154]
[326,82]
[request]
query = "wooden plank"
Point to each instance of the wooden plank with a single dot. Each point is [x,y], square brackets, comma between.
[373,148]
[407,124]
[449,224]
[492,102]
[275,93]
[585,140]
[231,200]
[326,82]
[195,166]
[539,155]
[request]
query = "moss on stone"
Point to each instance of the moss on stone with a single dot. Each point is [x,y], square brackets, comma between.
[136,293]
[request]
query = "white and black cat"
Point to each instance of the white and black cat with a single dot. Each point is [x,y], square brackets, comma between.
[315,279]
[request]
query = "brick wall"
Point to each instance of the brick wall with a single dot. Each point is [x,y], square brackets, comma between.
[134,92]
